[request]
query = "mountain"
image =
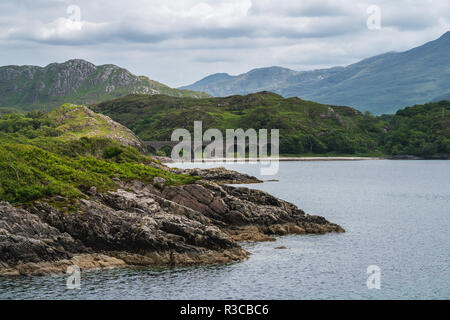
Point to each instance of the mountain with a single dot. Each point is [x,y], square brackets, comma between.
[221,84]
[74,81]
[380,84]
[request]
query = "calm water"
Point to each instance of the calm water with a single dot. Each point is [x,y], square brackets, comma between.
[396,213]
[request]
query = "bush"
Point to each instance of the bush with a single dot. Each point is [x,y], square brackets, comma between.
[112,152]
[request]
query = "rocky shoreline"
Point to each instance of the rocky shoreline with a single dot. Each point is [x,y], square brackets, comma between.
[149,225]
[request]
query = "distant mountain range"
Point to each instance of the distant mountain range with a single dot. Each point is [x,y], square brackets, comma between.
[75,81]
[381,84]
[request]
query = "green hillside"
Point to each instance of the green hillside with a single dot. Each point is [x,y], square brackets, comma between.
[70,150]
[422,130]
[305,127]
[41,158]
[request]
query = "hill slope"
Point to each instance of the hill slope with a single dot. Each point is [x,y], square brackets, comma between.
[380,84]
[67,152]
[305,127]
[75,81]
[421,130]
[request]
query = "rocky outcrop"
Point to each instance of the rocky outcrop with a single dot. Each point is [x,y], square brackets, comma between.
[140,224]
[220,175]
[24,237]
[247,214]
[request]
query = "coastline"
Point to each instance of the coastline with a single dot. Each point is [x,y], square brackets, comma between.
[153,224]
[231,160]
[287,159]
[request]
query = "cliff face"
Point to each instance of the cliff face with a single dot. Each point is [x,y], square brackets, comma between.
[147,224]
[76,81]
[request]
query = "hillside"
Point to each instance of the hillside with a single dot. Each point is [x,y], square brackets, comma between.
[380,84]
[75,122]
[75,81]
[305,126]
[67,152]
[421,130]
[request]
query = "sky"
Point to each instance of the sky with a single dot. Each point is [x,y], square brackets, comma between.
[178,42]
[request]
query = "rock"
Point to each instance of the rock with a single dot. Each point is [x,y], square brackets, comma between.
[83,261]
[221,175]
[248,211]
[59,199]
[24,238]
[139,224]
[163,159]
[280,248]
[92,191]
[159,182]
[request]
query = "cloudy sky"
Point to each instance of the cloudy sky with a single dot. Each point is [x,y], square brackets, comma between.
[180,41]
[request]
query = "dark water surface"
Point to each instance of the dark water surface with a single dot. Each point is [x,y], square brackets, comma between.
[396,213]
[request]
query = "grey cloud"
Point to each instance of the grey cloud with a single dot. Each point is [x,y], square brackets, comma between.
[305,8]
[180,41]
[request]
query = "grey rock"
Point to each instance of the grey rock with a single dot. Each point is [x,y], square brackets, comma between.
[141,225]
[92,191]
[159,182]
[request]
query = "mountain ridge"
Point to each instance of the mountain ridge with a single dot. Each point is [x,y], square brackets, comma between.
[383,83]
[76,81]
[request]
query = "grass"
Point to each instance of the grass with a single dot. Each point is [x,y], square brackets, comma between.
[38,161]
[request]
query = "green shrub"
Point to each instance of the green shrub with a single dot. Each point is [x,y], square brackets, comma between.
[112,152]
